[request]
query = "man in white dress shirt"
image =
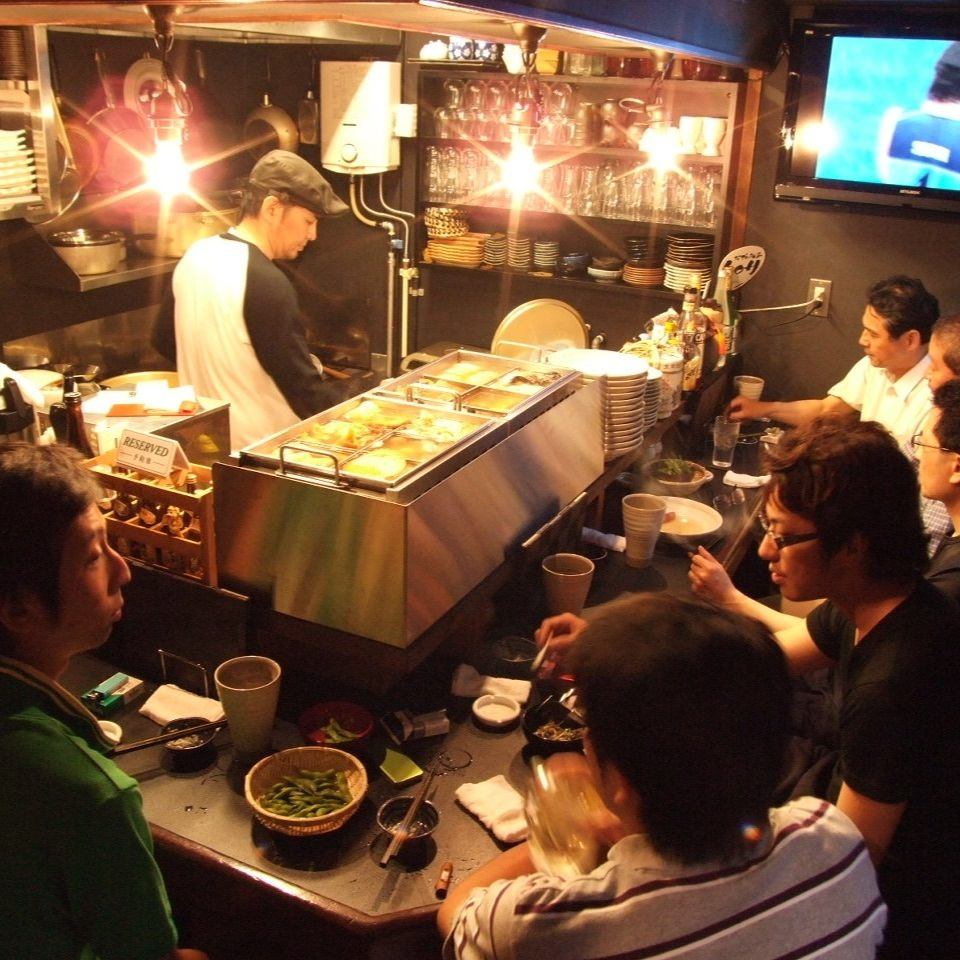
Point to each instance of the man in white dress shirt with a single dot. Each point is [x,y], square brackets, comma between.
[889,383]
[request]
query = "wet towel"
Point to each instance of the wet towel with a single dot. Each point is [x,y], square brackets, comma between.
[468,682]
[744,479]
[497,806]
[169,702]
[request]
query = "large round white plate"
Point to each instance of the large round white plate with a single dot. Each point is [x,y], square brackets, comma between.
[537,325]
[601,363]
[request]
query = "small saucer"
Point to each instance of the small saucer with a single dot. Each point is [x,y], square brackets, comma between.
[495,711]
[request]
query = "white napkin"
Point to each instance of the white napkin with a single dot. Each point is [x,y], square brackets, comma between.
[497,806]
[168,702]
[468,682]
[609,541]
[744,479]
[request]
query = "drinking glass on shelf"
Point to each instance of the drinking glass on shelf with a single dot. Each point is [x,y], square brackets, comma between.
[608,190]
[497,110]
[474,113]
[434,179]
[569,182]
[586,203]
[469,174]
[446,118]
[450,173]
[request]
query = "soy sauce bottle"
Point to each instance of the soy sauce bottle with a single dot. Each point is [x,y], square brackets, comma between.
[67,419]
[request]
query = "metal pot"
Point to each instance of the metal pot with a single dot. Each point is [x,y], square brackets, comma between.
[170,233]
[89,251]
[269,127]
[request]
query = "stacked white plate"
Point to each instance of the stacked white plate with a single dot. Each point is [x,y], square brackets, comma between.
[17,166]
[689,260]
[545,254]
[518,251]
[651,398]
[623,380]
[495,250]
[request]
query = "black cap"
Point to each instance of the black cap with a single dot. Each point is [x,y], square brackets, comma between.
[285,171]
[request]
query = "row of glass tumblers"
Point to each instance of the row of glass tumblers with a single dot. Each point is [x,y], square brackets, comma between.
[612,189]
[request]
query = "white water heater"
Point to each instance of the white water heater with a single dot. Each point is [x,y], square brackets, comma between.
[357,106]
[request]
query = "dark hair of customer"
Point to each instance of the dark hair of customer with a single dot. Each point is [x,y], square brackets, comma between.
[947,400]
[905,304]
[849,478]
[946,77]
[947,330]
[42,492]
[691,704]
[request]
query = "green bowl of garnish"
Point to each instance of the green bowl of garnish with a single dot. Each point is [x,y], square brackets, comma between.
[677,477]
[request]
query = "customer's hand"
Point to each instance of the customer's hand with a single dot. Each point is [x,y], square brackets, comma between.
[742,408]
[709,580]
[558,633]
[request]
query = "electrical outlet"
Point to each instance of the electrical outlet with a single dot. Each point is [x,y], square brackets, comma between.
[820,290]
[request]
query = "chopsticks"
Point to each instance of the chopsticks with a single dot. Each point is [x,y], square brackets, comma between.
[538,659]
[165,737]
[402,832]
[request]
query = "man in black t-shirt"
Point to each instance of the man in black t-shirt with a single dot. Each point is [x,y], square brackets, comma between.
[841,522]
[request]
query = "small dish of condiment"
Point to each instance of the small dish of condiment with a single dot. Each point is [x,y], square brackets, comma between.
[495,711]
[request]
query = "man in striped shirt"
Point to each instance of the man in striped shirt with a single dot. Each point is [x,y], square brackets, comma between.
[688,715]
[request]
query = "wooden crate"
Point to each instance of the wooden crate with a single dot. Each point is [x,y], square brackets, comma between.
[195,559]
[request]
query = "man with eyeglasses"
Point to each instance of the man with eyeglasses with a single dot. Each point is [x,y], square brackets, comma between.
[841,522]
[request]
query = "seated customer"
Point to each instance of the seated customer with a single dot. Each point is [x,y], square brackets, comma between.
[688,715]
[841,522]
[79,879]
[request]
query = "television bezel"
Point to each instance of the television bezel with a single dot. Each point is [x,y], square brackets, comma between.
[795,187]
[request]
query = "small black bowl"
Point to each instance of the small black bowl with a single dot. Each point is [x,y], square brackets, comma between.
[195,750]
[551,711]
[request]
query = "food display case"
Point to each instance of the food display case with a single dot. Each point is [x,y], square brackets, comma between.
[376,516]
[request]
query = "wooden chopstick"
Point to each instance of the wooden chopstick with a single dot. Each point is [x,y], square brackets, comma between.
[402,832]
[538,659]
[165,737]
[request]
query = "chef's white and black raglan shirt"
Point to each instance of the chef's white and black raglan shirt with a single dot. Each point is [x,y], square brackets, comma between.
[238,338]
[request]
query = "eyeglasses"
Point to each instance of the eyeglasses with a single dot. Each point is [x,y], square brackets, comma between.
[783,540]
[916,442]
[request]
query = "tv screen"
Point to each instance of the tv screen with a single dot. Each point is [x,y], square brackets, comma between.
[872,115]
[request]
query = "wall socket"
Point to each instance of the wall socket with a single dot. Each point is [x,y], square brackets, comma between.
[821,289]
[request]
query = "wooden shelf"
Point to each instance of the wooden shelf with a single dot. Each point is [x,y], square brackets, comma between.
[571,151]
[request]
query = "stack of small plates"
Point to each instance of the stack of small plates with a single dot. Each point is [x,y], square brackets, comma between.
[651,398]
[518,251]
[465,251]
[445,222]
[623,380]
[495,250]
[18,172]
[689,260]
[545,254]
[646,276]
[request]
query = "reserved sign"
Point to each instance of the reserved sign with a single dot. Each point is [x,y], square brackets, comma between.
[150,454]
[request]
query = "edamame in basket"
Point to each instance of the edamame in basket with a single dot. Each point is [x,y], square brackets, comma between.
[308,793]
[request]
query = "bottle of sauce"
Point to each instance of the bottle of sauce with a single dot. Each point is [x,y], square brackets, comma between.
[75,431]
[693,335]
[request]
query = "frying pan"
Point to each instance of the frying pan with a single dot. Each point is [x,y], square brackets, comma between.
[79,144]
[122,136]
[269,127]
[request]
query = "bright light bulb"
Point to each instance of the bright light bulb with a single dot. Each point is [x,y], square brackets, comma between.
[661,143]
[167,172]
[520,172]
[818,138]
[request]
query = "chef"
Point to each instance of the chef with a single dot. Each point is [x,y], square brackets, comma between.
[234,326]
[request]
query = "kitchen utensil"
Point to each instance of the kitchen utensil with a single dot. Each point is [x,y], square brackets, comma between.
[538,326]
[269,127]
[169,232]
[89,251]
[122,137]
[142,82]
[402,833]
[308,111]
[78,145]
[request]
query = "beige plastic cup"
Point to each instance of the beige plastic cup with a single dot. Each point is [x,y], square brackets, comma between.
[248,688]
[566,580]
[643,515]
[749,387]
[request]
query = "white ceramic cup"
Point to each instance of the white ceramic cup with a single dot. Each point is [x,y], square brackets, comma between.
[711,135]
[749,387]
[690,128]
[248,688]
[643,515]
[566,581]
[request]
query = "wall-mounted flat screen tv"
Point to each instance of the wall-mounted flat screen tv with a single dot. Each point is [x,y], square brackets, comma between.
[872,116]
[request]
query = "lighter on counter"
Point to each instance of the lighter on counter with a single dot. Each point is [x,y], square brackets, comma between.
[443,881]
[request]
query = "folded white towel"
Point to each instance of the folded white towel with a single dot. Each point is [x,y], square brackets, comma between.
[497,806]
[609,541]
[169,702]
[468,682]
[744,479]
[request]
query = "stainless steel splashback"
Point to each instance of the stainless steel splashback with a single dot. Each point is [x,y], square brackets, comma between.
[356,561]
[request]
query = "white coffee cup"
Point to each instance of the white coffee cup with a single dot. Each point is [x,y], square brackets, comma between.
[566,581]
[248,688]
[749,387]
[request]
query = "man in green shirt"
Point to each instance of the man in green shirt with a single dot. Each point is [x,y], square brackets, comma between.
[77,874]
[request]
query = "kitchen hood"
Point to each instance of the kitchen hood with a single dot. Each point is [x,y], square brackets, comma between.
[745,33]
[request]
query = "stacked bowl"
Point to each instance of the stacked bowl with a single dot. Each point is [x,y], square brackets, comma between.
[623,380]
[689,261]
